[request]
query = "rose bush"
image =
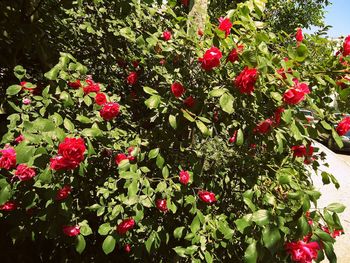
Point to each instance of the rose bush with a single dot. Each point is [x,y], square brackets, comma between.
[146,173]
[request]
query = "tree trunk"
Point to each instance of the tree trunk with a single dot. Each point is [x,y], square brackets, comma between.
[197,16]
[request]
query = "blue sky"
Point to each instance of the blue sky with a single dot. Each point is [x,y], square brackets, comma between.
[338,16]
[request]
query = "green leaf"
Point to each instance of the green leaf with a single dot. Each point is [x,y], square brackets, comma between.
[160,161]
[240,137]
[104,229]
[81,244]
[153,153]
[243,223]
[13,90]
[287,116]
[217,92]
[149,242]
[172,121]
[337,138]
[165,172]
[108,244]
[178,232]
[19,72]
[85,230]
[24,153]
[68,125]
[195,225]
[271,237]
[180,251]
[326,125]
[201,126]
[153,102]
[208,257]
[128,34]
[83,119]
[44,125]
[150,91]
[324,236]
[301,53]
[261,217]
[336,207]
[5,194]
[187,115]
[226,103]
[251,253]
[52,74]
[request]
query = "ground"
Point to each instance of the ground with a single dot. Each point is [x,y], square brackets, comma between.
[339,166]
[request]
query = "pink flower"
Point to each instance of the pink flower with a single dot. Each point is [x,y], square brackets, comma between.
[8,158]
[24,173]
[8,206]
[71,231]
[100,99]
[343,126]
[109,111]
[91,87]
[225,25]
[177,89]
[246,79]
[162,205]
[211,59]
[132,78]
[120,157]
[75,85]
[302,252]
[263,127]
[296,94]
[299,35]
[166,35]
[58,163]
[346,46]
[189,102]
[207,197]
[125,226]
[184,177]
[63,193]
[127,248]
[233,56]
[26,101]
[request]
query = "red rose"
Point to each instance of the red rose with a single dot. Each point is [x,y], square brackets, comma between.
[91,87]
[71,231]
[263,127]
[125,226]
[161,205]
[233,138]
[8,206]
[127,248]
[343,126]
[132,153]
[346,46]
[277,116]
[296,94]
[132,78]
[233,56]
[177,89]
[100,99]
[200,32]
[136,63]
[109,111]
[58,163]
[185,2]
[72,149]
[184,177]
[302,252]
[189,102]
[211,58]
[207,197]
[120,157]
[8,158]
[24,173]
[63,193]
[28,86]
[246,79]
[19,139]
[75,85]
[302,151]
[225,25]
[299,35]
[166,35]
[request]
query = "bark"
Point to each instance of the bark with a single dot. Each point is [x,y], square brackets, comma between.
[197,16]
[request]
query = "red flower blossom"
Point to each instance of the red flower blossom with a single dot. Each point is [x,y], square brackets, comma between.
[120,157]
[233,138]
[346,46]
[125,226]
[302,151]
[136,63]
[343,126]
[24,173]
[72,149]
[207,197]
[132,78]
[263,127]
[19,139]
[185,2]
[58,163]
[233,56]
[296,94]
[277,116]
[91,87]
[211,59]
[299,35]
[71,231]
[8,206]
[302,252]
[161,205]
[100,99]
[63,193]
[246,79]
[177,89]
[109,111]
[200,32]
[8,158]
[75,85]
[184,177]
[166,35]
[189,102]
[225,25]
[127,248]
